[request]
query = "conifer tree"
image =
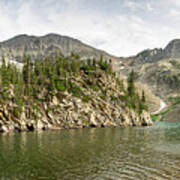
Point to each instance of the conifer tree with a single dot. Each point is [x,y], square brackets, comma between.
[4,73]
[143,98]
[94,62]
[131,84]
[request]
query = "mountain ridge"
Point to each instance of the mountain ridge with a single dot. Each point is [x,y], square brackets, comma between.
[38,46]
[172,50]
[157,68]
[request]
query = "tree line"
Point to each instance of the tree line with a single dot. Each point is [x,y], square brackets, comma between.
[52,74]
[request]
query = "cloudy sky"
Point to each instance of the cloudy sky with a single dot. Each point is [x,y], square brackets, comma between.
[120,27]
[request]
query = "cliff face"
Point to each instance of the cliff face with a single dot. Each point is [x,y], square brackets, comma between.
[171,51]
[159,69]
[48,45]
[163,77]
[103,105]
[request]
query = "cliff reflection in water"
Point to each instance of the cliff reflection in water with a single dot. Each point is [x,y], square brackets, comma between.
[97,153]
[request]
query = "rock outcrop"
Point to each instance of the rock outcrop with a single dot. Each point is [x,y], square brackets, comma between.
[43,46]
[101,106]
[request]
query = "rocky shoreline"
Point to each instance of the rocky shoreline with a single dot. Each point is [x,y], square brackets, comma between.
[62,110]
[71,113]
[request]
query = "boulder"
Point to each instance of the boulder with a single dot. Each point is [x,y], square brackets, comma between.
[55,101]
[125,120]
[134,118]
[115,114]
[23,126]
[4,128]
[145,119]
[39,125]
[50,116]
[108,123]
[92,120]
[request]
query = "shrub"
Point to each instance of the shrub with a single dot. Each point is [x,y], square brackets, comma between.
[75,90]
[60,85]
[86,98]
[16,112]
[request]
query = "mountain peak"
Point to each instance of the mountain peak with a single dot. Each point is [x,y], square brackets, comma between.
[172,50]
[49,44]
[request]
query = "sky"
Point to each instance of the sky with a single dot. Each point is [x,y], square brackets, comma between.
[120,27]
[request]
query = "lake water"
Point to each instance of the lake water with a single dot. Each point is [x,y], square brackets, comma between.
[133,153]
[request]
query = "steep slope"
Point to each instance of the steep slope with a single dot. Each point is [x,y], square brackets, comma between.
[38,47]
[171,51]
[160,70]
[147,56]
[67,94]
[163,77]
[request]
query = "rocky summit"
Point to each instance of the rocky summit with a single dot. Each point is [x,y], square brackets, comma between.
[38,47]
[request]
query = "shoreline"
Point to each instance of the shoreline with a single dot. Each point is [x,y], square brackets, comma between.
[53,128]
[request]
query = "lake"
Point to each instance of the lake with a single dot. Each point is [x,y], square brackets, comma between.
[142,153]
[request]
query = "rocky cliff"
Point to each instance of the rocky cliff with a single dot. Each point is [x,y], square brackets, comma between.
[88,97]
[48,45]
[171,51]
[157,69]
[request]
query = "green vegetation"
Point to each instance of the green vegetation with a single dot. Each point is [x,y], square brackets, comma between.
[175,63]
[47,75]
[175,101]
[159,116]
[155,117]
[134,100]
[52,76]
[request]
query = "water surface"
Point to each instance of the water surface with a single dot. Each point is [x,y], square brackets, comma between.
[151,153]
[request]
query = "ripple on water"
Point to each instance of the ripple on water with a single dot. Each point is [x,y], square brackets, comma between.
[150,153]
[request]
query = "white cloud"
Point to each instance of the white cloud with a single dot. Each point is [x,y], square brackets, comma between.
[132,4]
[121,34]
[174,2]
[175,13]
[139,5]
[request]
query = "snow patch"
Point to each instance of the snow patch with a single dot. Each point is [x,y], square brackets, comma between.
[162,106]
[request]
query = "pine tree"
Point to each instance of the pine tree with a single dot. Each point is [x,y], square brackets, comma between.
[5,73]
[37,69]
[143,98]
[94,62]
[27,73]
[131,84]
[13,75]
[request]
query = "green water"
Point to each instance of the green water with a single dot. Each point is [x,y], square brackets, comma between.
[141,153]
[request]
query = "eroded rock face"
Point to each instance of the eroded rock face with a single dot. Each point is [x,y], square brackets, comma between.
[73,115]
[63,110]
[45,46]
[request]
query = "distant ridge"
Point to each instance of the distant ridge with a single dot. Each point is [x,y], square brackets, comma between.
[40,46]
[172,50]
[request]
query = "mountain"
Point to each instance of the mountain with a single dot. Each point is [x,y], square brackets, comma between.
[147,56]
[172,50]
[159,69]
[37,47]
